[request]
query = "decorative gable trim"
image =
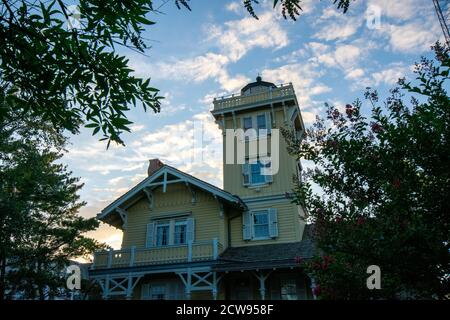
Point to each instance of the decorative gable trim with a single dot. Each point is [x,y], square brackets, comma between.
[160,178]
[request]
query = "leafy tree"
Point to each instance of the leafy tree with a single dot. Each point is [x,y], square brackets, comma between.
[58,61]
[385,186]
[40,229]
[291,8]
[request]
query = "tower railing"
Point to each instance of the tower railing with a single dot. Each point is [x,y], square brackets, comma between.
[235,100]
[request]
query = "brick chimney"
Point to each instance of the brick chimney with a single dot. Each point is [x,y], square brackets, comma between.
[154,165]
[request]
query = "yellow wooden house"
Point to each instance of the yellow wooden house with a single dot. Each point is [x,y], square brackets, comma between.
[184,238]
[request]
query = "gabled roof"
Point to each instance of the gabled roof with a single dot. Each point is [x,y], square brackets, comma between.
[161,178]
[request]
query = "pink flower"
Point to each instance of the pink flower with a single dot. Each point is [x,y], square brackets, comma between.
[376,127]
[349,110]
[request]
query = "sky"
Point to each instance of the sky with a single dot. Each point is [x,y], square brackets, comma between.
[217,48]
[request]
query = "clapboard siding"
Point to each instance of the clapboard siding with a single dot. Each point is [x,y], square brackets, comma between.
[282,181]
[177,199]
[290,226]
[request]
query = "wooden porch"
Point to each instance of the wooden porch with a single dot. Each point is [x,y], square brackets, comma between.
[130,257]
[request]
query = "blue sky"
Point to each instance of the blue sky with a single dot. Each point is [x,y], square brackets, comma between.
[216,49]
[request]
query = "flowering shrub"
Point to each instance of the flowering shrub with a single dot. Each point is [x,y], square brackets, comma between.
[384,184]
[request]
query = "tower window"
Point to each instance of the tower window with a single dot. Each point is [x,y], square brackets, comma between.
[254,173]
[260,123]
[257,177]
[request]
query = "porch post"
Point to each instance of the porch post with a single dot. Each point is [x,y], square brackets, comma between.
[110,253]
[262,282]
[132,254]
[188,284]
[106,288]
[313,286]
[189,251]
[129,288]
[214,286]
[262,286]
[215,248]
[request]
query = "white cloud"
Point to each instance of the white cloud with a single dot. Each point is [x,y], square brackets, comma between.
[344,56]
[235,7]
[303,77]
[399,9]
[334,25]
[410,26]
[355,74]
[391,75]
[237,37]
[412,37]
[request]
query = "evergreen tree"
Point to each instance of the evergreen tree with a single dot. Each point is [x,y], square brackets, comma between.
[40,229]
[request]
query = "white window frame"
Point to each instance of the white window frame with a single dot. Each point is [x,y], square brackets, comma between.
[154,232]
[162,224]
[267,179]
[180,223]
[253,213]
[254,120]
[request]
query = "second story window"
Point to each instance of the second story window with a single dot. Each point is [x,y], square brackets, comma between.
[162,234]
[261,224]
[180,232]
[176,231]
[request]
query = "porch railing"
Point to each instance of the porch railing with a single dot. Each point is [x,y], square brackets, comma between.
[192,251]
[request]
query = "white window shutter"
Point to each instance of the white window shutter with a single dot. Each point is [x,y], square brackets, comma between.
[273,223]
[246,174]
[246,226]
[150,239]
[190,229]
